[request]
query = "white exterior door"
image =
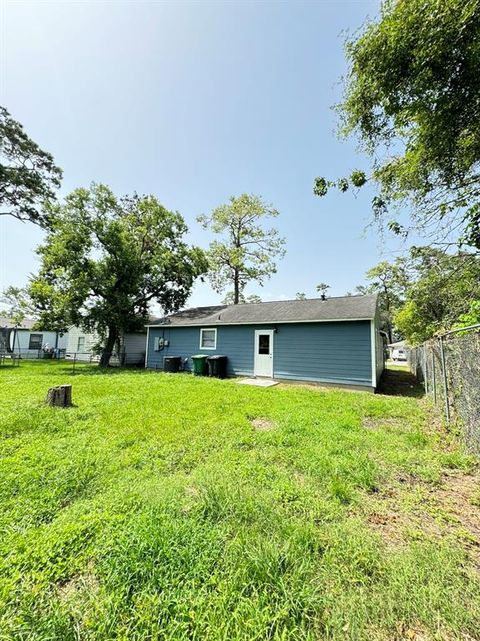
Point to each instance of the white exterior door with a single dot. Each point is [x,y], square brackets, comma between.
[263,362]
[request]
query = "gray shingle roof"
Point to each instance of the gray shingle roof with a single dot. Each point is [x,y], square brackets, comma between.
[287,311]
[25,324]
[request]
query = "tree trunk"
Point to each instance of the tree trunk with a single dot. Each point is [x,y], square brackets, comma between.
[236,288]
[60,396]
[108,349]
[390,333]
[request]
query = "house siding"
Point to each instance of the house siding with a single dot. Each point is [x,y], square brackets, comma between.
[20,341]
[330,352]
[133,346]
[74,333]
[379,351]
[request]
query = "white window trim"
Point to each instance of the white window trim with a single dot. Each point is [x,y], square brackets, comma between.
[30,339]
[208,329]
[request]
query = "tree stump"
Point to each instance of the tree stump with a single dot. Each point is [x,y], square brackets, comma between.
[60,396]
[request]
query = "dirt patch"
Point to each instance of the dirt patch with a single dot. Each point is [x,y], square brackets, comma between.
[457,497]
[192,495]
[400,383]
[312,386]
[387,523]
[417,632]
[409,479]
[374,423]
[408,633]
[414,509]
[191,491]
[85,582]
[262,424]
[397,527]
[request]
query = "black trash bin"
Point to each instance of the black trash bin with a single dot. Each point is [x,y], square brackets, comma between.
[217,366]
[171,363]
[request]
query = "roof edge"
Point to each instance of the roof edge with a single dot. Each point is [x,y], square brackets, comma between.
[292,322]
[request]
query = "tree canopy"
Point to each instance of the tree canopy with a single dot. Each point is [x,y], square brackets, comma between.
[412,98]
[472,317]
[426,292]
[390,281]
[441,292]
[251,298]
[246,250]
[28,175]
[17,305]
[106,259]
[322,289]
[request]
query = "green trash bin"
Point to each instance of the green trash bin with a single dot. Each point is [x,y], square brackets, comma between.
[199,364]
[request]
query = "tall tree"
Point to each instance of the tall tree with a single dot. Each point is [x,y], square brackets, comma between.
[441,292]
[28,175]
[251,298]
[247,250]
[16,304]
[412,98]
[300,296]
[390,281]
[105,259]
[472,317]
[322,289]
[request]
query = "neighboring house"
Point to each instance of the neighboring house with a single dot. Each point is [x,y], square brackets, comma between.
[130,351]
[397,351]
[26,342]
[334,341]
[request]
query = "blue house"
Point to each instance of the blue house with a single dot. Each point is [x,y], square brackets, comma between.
[334,341]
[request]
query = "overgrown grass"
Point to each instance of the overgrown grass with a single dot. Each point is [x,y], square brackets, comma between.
[154,510]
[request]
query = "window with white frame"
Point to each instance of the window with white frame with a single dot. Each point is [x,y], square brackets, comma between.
[208,339]
[35,341]
[81,344]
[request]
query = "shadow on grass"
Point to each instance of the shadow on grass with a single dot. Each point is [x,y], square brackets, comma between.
[95,370]
[66,368]
[400,382]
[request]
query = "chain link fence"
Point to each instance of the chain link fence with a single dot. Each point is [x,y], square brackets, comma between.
[116,359]
[27,353]
[449,367]
[75,359]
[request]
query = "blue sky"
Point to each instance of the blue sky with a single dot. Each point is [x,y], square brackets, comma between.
[195,102]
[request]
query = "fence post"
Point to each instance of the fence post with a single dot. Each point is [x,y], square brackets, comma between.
[445,381]
[74,359]
[434,380]
[425,366]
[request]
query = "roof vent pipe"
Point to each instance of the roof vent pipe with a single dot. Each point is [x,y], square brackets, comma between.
[323,297]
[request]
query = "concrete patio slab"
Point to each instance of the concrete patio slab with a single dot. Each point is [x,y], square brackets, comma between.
[258,382]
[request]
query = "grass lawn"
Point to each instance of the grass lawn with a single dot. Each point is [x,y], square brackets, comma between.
[176,508]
